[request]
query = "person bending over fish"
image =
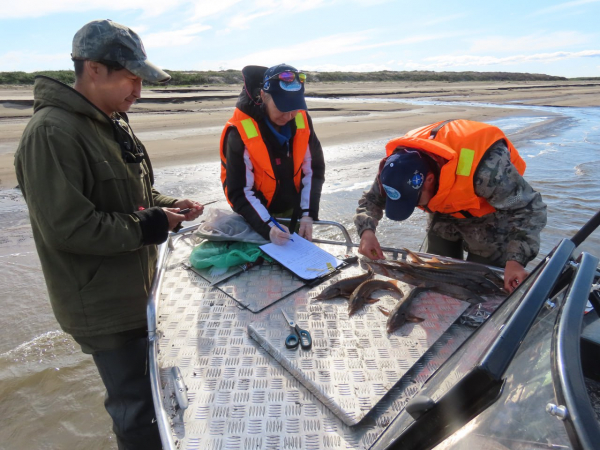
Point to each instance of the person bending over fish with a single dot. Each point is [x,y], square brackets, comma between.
[468,177]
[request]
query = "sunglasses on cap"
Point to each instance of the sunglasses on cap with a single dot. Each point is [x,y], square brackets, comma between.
[288,76]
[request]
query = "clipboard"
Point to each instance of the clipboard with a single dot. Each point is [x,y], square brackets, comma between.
[304,259]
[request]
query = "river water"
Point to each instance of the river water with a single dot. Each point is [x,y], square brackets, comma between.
[50,393]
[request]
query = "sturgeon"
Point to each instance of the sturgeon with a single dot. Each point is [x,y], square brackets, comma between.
[345,287]
[360,296]
[401,314]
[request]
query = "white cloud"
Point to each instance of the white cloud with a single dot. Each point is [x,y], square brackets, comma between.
[174,38]
[242,14]
[336,44]
[370,2]
[368,67]
[38,8]
[291,6]
[32,61]
[149,8]
[242,21]
[564,6]
[207,8]
[444,62]
[534,42]
[443,19]
[262,8]
[325,46]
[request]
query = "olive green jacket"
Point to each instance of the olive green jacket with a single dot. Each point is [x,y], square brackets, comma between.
[94,214]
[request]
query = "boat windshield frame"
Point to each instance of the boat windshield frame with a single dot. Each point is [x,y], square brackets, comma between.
[580,421]
[481,385]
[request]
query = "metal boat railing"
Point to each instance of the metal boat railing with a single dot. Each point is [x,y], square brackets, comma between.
[153,338]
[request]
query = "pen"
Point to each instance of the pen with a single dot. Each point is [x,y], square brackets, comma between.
[279,226]
[187,210]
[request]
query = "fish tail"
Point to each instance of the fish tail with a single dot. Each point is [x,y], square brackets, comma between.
[384,311]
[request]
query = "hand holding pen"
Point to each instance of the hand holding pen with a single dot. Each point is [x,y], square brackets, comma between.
[279,234]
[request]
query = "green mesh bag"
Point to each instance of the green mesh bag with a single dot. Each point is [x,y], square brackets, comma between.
[224,254]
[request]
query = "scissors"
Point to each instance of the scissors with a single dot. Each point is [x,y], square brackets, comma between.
[298,337]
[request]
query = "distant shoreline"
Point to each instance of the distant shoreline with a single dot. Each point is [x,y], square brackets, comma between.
[224,77]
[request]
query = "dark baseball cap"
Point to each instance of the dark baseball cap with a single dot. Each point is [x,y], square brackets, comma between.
[107,41]
[402,179]
[287,95]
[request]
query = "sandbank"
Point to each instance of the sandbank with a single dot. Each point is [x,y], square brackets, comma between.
[182,126]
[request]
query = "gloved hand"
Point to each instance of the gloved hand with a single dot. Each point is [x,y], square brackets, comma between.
[306,226]
[279,237]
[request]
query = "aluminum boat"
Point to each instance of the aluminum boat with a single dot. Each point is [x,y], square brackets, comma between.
[517,372]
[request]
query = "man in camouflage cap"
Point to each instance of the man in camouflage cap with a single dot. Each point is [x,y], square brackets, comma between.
[97,219]
[108,42]
[468,176]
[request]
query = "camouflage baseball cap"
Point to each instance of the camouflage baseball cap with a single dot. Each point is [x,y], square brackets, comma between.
[108,41]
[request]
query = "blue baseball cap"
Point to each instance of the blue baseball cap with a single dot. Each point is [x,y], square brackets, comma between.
[402,179]
[287,95]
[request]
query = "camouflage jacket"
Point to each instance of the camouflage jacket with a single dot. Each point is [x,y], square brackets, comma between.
[510,233]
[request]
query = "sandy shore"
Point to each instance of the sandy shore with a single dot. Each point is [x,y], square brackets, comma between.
[183,125]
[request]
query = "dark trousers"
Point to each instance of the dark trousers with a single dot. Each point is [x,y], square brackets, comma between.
[128,397]
[453,249]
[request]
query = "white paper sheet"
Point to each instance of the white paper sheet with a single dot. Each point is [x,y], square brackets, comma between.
[302,257]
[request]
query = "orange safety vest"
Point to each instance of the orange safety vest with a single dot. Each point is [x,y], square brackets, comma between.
[264,176]
[462,143]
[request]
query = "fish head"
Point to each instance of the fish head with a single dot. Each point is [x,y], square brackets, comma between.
[395,321]
[329,293]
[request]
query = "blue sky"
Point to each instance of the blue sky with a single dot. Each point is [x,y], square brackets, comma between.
[552,37]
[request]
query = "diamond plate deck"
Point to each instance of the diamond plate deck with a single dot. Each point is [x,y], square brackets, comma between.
[239,396]
[220,275]
[261,286]
[353,362]
[256,289]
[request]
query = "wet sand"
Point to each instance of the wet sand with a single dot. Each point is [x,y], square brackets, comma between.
[182,126]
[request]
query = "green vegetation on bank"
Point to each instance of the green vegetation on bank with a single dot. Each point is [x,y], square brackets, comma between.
[183,78]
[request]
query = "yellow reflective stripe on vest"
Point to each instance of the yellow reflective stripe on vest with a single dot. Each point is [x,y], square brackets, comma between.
[465,162]
[300,125]
[249,128]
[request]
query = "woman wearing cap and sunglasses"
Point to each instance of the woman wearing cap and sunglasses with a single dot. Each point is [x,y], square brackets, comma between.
[271,159]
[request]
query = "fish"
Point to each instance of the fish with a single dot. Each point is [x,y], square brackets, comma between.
[360,295]
[345,287]
[474,282]
[418,259]
[401,314]
[453,290]
[457,292]
[471,268]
